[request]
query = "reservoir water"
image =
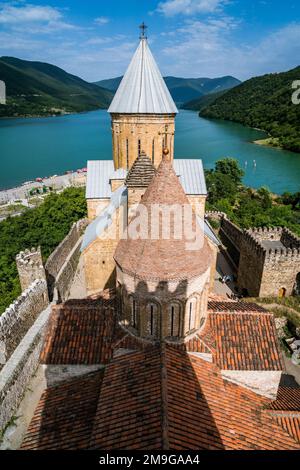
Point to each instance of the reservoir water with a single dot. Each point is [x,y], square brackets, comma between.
[38,147]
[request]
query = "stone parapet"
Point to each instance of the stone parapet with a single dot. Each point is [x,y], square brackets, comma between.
[19,316]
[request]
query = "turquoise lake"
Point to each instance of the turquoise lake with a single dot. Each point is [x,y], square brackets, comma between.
[38,147]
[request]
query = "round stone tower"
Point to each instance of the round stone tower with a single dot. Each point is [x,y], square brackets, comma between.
[142,111]
[163,278]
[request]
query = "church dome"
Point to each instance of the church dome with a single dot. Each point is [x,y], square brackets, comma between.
[161,258]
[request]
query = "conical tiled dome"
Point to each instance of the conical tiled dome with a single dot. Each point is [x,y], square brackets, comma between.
[141,173]
[163,259]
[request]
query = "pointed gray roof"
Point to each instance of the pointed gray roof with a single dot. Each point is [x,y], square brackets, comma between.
[142,89]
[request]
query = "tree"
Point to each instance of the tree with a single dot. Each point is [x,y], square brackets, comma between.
[230,167]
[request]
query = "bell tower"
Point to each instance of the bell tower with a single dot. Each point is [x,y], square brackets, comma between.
[142,111]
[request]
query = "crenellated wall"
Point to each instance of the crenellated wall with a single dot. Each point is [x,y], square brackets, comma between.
[18,371]
[19,316]
[30,267]
[270,262]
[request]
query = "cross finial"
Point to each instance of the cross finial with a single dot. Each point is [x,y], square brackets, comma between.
[143,28]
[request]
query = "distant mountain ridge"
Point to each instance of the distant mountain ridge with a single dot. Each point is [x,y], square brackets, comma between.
[184,89]
[263,102]
[38,88]
[200,103]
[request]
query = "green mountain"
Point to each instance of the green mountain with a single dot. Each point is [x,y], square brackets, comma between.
[200,103]
[41,89]
[184,89]
[266,103]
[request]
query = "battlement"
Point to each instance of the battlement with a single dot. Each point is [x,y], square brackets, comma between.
[30,267]
[273,242]
[31,257]
[217,215]
[20,315]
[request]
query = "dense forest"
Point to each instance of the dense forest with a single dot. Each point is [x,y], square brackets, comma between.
[200,103]
[45,226]
[265,103]
[40,89]
[248,207]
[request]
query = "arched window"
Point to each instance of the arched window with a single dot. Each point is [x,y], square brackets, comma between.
[153,148]
[191,310]
[153,324]
[127,154]
[133,312]
[139,147]
[174,320]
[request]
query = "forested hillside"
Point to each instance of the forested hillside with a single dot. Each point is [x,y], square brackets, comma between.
[263,102]
[45,226]
[40,89]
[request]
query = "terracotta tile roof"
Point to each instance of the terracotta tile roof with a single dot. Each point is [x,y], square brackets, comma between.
[129,408]
[291,425]
[207,412]
[141,173]
[64,416]
[233,306]
[194,344]
[288,399]
[79,333]
[163,258]
[246,341]
[162,398]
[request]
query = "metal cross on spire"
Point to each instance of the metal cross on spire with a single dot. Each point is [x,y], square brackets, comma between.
[143,28]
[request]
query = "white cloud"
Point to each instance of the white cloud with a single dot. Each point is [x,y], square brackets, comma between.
[209,49]
[101,20]
[190,7]
[10,14]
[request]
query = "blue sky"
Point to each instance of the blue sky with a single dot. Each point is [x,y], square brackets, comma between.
[189,38]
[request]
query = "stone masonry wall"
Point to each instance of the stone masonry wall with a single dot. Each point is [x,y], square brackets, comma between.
[280,271]
[163,296]
[19,317]
[57,259]
[149,129]
[66,275]
[30,267]
[251,265]
[18,371]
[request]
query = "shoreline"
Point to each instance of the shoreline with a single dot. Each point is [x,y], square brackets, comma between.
[38,116]
[272,142]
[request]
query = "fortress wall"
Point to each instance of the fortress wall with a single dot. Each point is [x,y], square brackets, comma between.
[20,368]
[232,231]
[57,259]
[266,233]
[289,239]
[251,265]
[66,275]
[280,271]
[19,317]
